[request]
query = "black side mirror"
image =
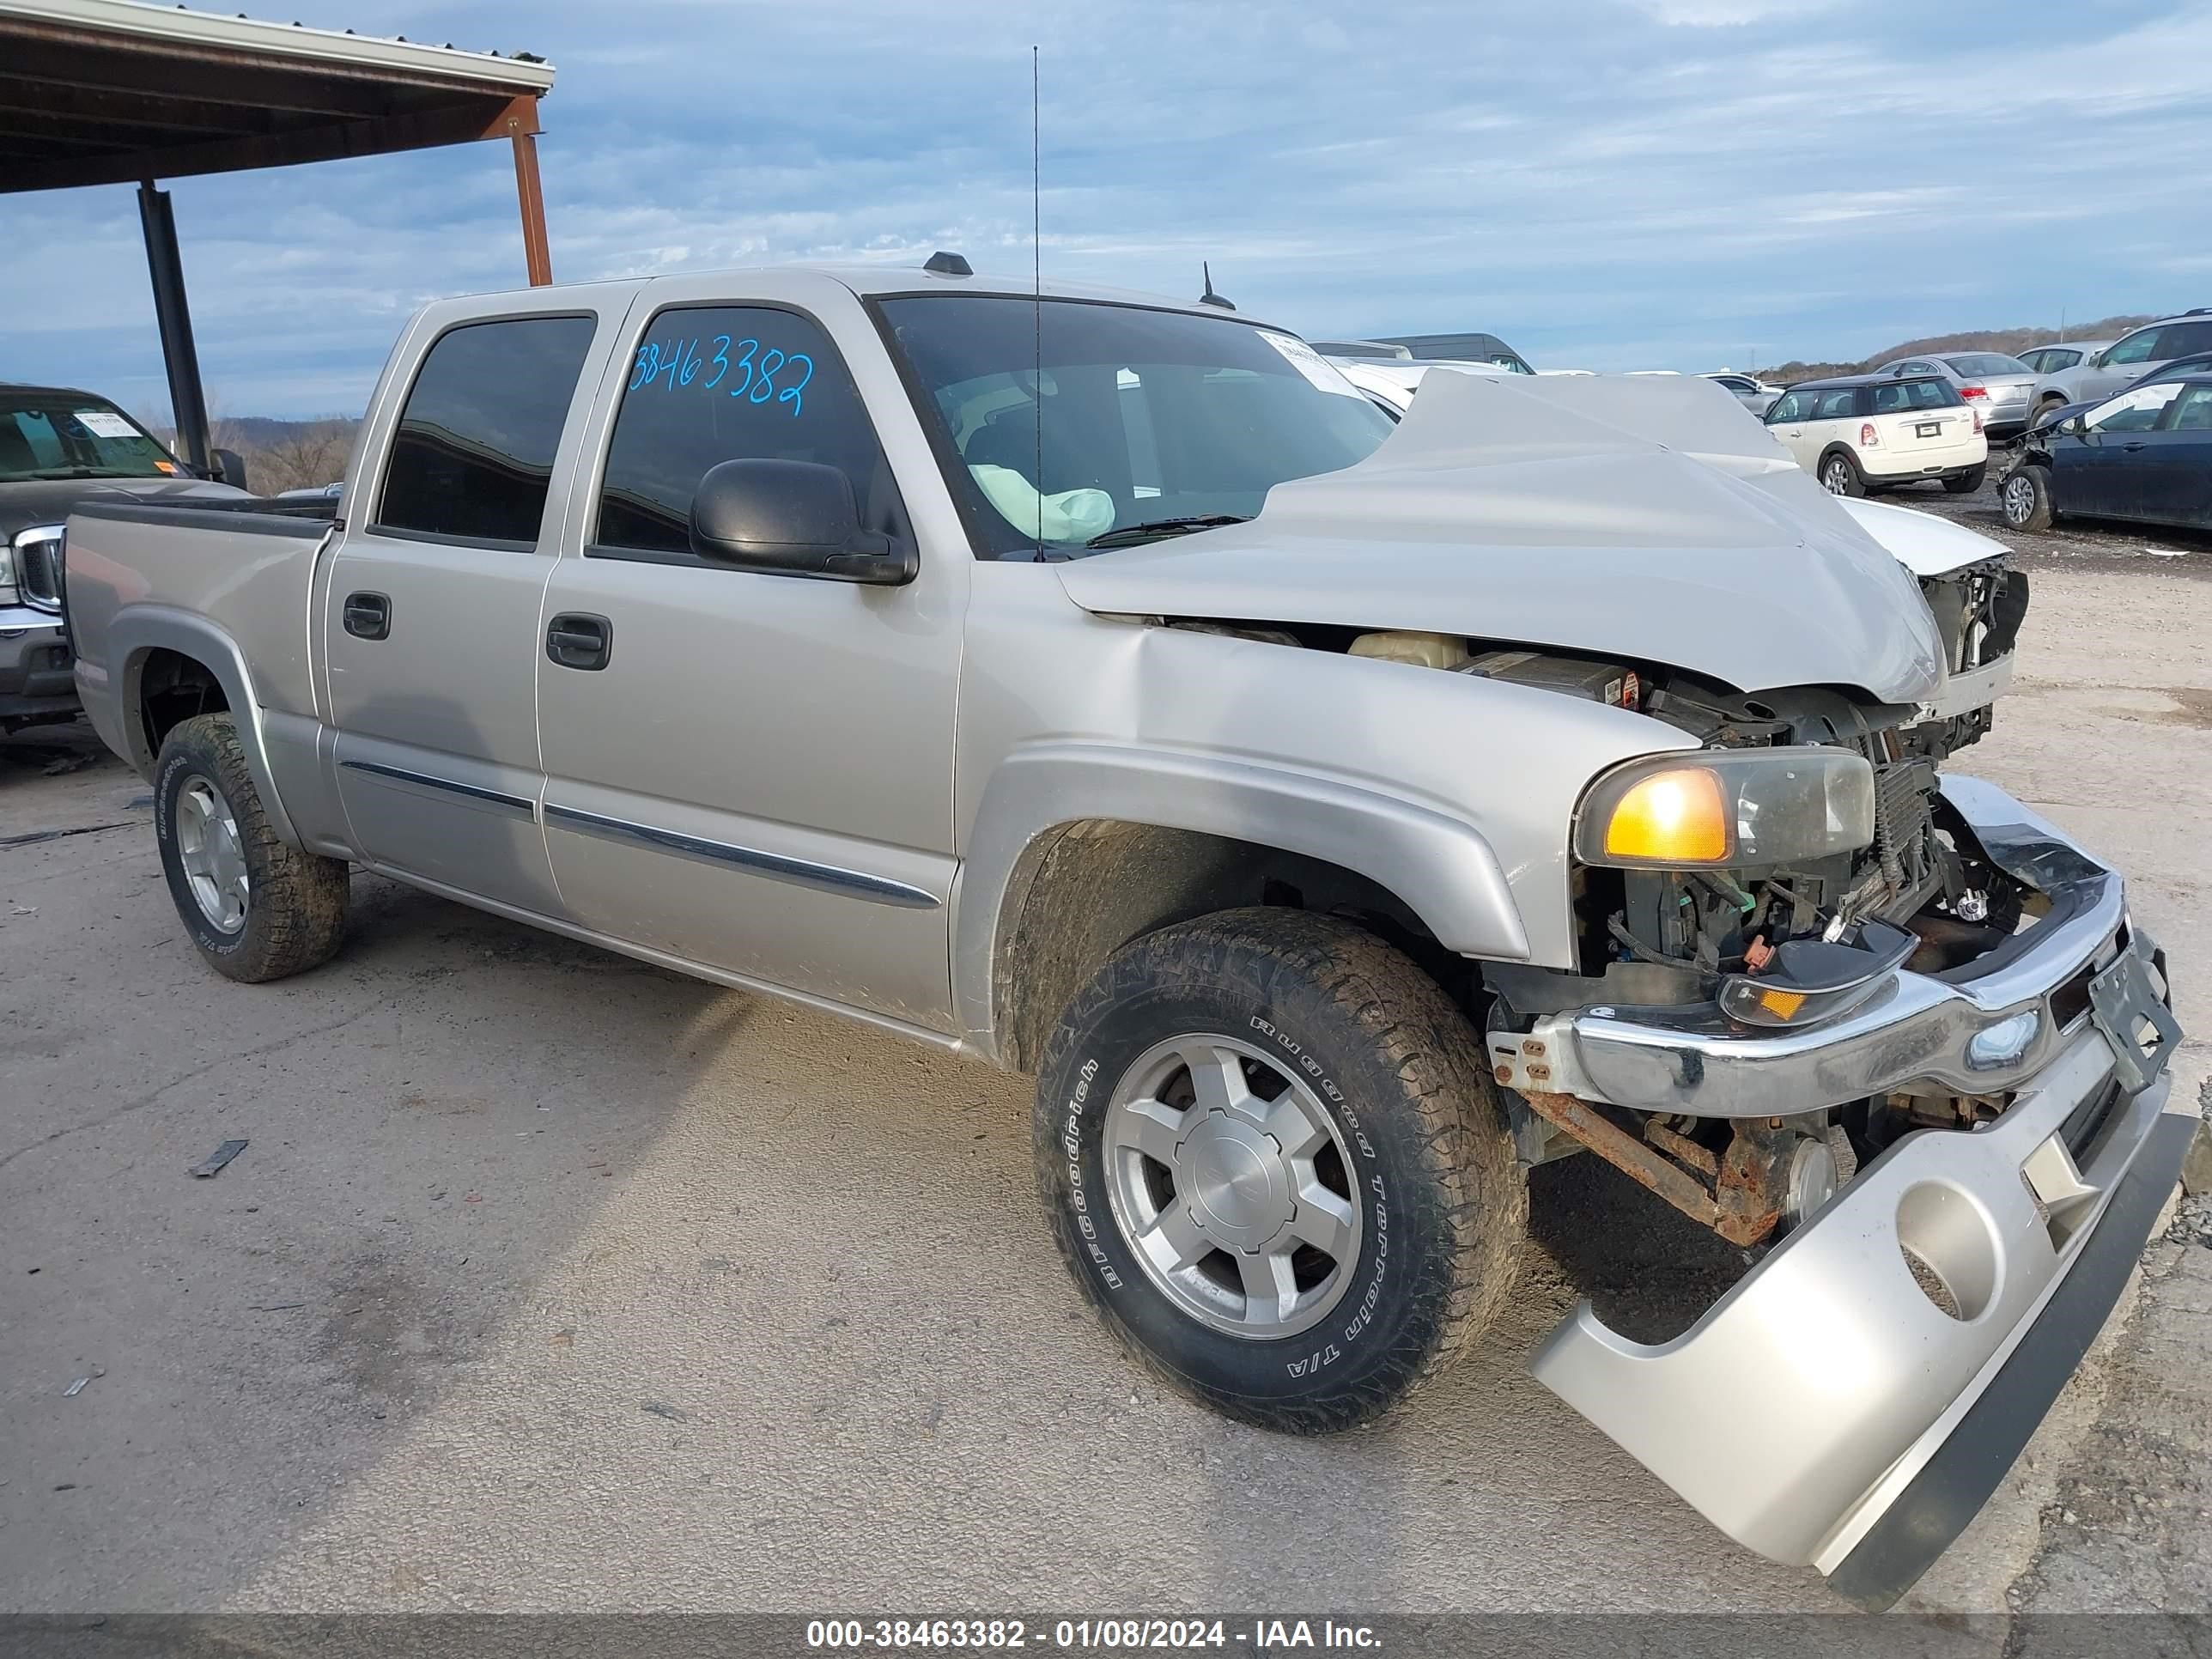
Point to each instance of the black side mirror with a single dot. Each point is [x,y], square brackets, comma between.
[792,519]
[230,467]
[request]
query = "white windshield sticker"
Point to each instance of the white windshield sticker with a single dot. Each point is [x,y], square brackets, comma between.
[102,424]
[1307,362]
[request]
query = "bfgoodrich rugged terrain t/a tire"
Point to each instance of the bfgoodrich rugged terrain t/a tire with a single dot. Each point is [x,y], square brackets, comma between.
[1269,1148]
[257,907]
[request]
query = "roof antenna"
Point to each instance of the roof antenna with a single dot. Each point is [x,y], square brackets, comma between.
[1210,298]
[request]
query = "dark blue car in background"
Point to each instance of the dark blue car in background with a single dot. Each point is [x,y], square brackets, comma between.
[2144,454]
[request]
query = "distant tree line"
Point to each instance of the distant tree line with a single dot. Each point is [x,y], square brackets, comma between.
[2009,341]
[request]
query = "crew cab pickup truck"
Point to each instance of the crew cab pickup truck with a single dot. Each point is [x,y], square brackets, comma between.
[1337,818]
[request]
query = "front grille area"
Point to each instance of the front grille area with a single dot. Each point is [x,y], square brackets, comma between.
[38,570]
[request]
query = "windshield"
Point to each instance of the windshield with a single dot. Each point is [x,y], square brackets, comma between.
[65,434]
[1142,423]
[1985,363]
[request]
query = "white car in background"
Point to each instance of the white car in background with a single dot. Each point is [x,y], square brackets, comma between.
[1391,383]
[1862,432]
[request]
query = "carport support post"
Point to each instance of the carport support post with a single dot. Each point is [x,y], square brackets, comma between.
[186,400]
[529,195]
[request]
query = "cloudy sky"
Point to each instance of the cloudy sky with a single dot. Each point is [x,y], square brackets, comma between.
[1608,184]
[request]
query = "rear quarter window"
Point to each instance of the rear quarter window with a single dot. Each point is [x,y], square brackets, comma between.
[472,455]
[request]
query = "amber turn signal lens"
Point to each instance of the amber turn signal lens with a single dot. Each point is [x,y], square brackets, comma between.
[1781,1004]
[1676,817]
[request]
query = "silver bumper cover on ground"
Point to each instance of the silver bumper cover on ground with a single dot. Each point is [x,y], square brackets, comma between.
[1826,1411]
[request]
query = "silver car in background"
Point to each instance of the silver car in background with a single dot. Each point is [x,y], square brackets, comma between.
[2050,359]
[2124,362]
[1754,393]
[1997,385]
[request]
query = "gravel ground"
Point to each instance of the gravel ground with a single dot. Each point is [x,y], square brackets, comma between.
[550,1280]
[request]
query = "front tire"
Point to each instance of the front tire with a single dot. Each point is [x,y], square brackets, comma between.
[257,908]
[2024,498]
[1967,482]
[1269,1149]
[1840,474]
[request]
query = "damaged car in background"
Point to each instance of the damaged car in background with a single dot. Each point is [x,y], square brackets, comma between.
[1337,818]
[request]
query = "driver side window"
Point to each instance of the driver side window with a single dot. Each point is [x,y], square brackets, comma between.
[2135,349]
[709,384]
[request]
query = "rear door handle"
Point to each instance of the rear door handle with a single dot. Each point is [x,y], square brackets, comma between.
[369,615]
[2131,448]
[577,638]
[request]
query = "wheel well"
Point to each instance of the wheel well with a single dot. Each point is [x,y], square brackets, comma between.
[1838,448]
[172,689]
[1093,885]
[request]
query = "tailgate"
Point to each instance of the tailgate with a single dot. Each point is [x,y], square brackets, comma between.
[1925,428]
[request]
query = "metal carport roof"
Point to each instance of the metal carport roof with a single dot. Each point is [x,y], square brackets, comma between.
[103,92]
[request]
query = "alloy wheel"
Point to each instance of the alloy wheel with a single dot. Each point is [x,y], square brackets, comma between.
[1231,1183]
[214,860]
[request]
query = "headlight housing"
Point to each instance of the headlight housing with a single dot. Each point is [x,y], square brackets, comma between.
[1728,808]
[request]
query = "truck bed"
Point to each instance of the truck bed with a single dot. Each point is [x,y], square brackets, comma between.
[134,576]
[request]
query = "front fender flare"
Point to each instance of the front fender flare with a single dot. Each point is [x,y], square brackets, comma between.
[138,630]
[1438,864]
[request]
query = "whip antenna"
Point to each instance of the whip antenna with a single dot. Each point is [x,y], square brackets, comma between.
[1036,281]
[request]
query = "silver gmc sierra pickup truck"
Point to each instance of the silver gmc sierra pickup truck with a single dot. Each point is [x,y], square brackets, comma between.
[1337,818]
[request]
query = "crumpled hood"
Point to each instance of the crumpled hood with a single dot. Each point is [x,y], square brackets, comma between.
[1647,518]
[27,502]
[1924,544]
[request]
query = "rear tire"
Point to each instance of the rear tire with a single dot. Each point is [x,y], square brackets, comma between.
[256,906]
[1840,474]
[1337,1095]
[2024,499]
[1967,482]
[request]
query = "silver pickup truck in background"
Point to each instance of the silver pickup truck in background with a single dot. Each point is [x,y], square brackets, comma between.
[1339,818]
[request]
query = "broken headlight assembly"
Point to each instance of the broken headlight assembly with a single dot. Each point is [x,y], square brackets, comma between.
[1728,808]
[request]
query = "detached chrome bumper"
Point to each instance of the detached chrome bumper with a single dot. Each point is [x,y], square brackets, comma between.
[1826,1411]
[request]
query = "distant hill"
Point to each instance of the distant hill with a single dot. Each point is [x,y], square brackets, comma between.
[2010,341]
[280,454]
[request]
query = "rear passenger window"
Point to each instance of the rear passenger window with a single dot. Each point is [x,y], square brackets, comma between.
[2194,413]
[474,451]
[714,384]
[2184,339]
[1839,404]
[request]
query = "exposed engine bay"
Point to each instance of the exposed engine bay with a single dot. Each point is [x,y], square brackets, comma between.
[1769,943]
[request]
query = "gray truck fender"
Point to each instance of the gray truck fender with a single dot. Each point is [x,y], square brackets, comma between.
[1440,866]
[137,630]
